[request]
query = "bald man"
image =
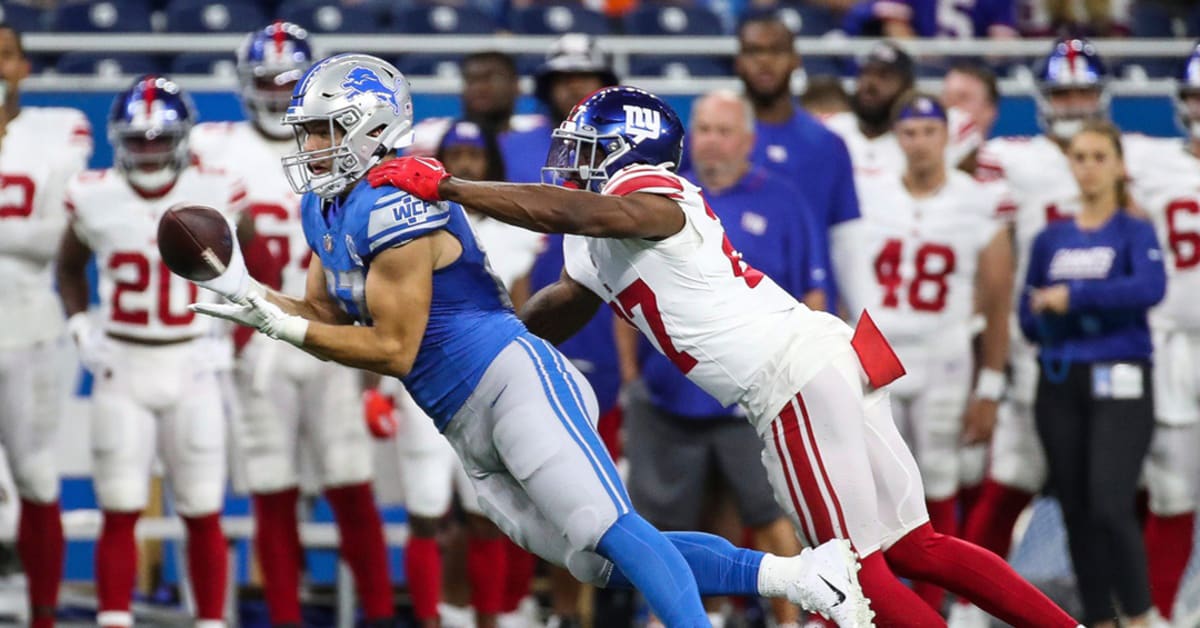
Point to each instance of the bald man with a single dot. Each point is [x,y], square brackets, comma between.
[678,437]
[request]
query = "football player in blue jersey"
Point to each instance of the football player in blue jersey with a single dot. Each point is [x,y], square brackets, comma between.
[400,287]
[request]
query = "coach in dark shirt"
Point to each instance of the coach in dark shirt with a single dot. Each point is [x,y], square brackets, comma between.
[1090,284]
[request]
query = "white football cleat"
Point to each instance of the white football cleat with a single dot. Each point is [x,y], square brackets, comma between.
[828,585]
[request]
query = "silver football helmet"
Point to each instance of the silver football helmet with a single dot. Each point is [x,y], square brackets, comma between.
[366,103]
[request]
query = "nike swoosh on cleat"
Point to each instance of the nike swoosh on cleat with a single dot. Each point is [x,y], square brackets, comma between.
[840,595]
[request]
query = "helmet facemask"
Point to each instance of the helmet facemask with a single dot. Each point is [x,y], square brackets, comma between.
[1187,110]
[266,95]
[580,158]
[1063,123]
[362,105]
[150,157]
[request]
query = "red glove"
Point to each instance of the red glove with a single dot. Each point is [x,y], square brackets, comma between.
[379,410]
[418,176]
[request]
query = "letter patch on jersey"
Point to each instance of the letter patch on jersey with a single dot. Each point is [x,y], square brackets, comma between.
[1090,263]
[400,217]
[642,123]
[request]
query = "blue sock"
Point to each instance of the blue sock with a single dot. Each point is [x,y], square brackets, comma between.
[718,566]
[652,564]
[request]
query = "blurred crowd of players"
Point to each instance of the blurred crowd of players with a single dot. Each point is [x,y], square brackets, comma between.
[928,224]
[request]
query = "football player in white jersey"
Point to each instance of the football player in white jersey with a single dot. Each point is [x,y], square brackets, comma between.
[42,148]
[156,392]
[928,248]
[885,74]
[290,399]
[647,244]
[1168,191]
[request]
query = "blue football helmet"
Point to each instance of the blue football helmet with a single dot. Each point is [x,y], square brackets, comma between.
[148,129]
[1072,66]
[1189,86]
[609,130]
[269,63]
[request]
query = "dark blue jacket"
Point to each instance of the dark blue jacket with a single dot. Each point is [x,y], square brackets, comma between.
[1115,275]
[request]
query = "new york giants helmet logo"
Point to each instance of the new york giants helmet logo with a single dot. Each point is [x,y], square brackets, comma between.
[642,124]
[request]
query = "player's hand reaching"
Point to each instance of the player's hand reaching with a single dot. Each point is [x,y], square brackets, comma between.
[379,411]
[979,421]
[418,176]
[260,314]
[89,342]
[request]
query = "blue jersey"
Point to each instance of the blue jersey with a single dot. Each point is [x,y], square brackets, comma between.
[932,18]
[593,350]
[470,317]
[766,220]
[814,159]
[1115,275]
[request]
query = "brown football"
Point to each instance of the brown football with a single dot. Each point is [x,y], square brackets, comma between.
[195,241]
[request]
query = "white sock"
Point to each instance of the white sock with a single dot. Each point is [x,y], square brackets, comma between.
[776,572]
[717,620]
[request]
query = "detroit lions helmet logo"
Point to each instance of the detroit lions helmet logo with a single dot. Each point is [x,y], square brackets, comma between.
[366,81]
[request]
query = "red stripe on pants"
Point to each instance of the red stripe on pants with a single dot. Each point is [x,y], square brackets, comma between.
[840,522]
[776,431]
[806,476]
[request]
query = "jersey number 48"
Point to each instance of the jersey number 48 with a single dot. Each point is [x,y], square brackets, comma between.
[928,289]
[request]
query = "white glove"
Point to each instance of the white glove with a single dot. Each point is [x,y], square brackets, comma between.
[89,341]
[234,282]
[260,314]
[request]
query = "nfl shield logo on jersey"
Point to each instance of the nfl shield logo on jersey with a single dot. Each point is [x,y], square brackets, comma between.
[328,243]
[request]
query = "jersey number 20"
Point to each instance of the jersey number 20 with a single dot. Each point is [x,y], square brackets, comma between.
[148,276]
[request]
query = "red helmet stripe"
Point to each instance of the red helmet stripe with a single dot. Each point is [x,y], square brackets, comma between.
[1071,55]
[279,36]
[148,93]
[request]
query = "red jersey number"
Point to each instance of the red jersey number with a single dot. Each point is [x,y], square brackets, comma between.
[143,275]
[279,245]
[1185,245]
[928,290]
[16,196]
[748,273]
[638,295]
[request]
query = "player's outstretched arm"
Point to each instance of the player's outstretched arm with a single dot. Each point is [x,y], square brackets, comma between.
[543,208]
[552,209]
[399,291]
[559,310]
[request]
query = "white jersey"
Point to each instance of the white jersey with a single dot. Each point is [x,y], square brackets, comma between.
[510,250]
[139,297]
[718,320]
[879,155]
[1167,189]
[41,149]
[919,258]
[869,156]
[238,149]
